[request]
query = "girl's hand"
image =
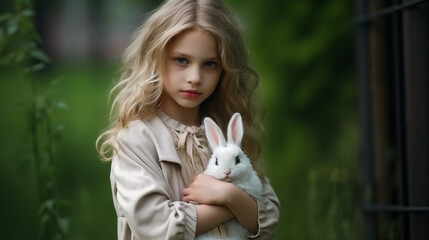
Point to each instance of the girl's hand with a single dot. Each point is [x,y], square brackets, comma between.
[206,189]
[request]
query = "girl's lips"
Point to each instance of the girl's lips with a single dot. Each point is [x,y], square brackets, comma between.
[191,94]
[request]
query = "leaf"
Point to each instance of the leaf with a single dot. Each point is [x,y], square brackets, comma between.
[61,105]
[40,55]
[12,27]
[63,224]
[47,205]
[27,13]
[44,217]
[56,81]
[38,67]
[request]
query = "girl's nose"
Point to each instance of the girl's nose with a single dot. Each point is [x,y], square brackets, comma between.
[194,75]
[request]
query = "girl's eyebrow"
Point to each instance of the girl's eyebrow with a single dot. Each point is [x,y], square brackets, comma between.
[190,57]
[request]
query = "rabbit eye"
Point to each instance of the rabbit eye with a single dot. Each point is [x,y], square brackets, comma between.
[216,162]
[237,160]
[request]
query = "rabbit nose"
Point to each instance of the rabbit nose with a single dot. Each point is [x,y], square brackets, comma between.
[227,172]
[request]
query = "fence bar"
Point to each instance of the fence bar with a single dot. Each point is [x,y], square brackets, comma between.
[400,124]
[363,19]
[362,59]
[395,208]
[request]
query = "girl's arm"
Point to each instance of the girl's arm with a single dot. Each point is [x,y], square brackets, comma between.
[145,204]
[208,190]
[210,216]
[244,208]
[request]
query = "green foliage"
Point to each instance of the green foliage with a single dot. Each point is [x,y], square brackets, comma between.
[20,52]
[19,39]
[44,137]
[304,54]
[332,197]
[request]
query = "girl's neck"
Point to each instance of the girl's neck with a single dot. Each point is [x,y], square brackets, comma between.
[189,117]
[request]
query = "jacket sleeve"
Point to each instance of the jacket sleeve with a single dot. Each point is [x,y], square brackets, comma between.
[142,196]
[268,213]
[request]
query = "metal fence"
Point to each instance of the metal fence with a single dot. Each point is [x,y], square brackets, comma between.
[393,68]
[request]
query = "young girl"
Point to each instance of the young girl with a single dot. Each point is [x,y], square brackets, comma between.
[188,61]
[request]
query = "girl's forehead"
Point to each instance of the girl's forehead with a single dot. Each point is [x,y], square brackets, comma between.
[195,42]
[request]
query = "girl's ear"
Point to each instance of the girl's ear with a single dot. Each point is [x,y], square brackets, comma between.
[235,129]
[214,133]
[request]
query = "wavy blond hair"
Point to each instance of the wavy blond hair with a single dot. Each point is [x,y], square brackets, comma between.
[139,89]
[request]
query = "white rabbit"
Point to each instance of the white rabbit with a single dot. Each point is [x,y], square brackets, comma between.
[229,163]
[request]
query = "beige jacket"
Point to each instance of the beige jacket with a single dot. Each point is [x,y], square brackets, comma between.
[147,188]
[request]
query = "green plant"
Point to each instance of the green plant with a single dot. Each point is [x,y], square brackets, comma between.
[20,51]
[333,204]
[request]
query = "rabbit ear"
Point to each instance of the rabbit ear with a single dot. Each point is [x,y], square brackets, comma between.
[213,133]
[235,129]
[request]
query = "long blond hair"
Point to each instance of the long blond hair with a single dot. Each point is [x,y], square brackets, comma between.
[139,89]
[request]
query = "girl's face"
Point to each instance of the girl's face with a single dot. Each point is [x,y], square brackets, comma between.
[193,71]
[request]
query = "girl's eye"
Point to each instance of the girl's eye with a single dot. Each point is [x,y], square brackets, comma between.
[181,61]
[210,64]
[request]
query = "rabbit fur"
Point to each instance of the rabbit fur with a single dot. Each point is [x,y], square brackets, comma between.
[229,163]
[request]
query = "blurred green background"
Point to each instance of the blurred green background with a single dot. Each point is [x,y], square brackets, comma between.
[304,54]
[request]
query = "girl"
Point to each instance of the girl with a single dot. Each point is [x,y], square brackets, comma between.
[188,61]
